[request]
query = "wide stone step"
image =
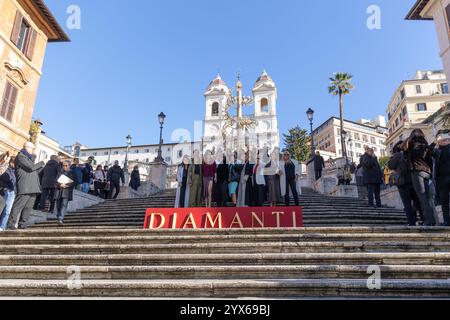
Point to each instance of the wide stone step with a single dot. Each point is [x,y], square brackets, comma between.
[217,239]
[228,248]
[225,272]
[370,258]
[270,288]
[319,231]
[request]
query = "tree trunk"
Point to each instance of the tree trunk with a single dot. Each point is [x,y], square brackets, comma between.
[341,115]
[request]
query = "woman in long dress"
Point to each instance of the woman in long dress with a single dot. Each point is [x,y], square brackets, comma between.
[195,181]
[209,170]
[182,198]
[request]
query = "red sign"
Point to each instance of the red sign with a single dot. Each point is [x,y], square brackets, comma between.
[224,218]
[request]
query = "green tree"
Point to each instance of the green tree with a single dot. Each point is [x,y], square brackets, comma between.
[383,161]
[340,86]
[297,142]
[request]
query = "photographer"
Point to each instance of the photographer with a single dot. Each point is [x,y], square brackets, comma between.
[402,179]
[420,162]
[442,171]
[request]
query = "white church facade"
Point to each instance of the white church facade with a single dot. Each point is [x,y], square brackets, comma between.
[221,108]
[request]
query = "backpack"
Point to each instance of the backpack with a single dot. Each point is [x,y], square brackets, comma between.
[397,177]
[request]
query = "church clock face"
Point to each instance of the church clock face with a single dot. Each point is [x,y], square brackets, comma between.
[265,126]
[214,129]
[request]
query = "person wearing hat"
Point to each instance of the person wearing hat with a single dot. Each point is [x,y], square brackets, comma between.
[289,178]
[441,157]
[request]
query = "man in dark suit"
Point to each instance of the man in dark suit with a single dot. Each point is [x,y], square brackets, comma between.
[28,187]
[319,165]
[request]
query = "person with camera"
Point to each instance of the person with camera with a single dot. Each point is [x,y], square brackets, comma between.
[401,177]
[420,161]
[441,157]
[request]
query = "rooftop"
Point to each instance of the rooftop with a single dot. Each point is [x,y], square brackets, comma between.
[415,12]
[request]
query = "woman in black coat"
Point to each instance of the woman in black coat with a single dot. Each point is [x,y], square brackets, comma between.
[373,177]
[135,179]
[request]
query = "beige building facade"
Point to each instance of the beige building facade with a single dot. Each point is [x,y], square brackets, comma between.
[26,26]
[439,11]
[327,137]
[415,101]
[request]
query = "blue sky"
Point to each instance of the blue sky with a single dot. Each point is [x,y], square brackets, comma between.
[130,60]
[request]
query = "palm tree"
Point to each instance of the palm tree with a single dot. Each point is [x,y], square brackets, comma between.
[340,85]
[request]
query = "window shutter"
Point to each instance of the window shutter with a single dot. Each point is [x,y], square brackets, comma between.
[31,44]
[8,102]
[16,28]
[12,103]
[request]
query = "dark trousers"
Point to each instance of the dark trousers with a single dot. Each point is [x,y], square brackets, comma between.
[222,193]
[410,202]
[258,195]
[444,190]
[115,185]
[373,190]
[292,184]
[318,174]
[21,211]
[98,188]
[47,194]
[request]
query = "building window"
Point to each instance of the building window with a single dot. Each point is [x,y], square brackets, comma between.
[215,109]
[9,101]
[418,89]
[106,153]
[167,159]
[358,145]
[147,150]
[381,142]
[356,135]
[147,160]
[23,36]
[396,122]
[137,151]
[264,105]
[95,154]
[447,11]
[116,152]
[421,107]
[402,93]
[180,154]
[404,111]
[365,139]
[444,88]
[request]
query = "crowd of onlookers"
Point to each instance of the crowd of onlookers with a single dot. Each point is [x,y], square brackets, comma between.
[26,186]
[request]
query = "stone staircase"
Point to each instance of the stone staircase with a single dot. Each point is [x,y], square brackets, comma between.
[103,252]
[318,210]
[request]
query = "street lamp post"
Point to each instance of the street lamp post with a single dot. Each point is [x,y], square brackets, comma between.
[129,140]
[310,114]
[161,118]
[350,143]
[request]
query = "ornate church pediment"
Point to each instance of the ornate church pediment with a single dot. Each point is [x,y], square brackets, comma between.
[16,74]
[215,91]
[264,87]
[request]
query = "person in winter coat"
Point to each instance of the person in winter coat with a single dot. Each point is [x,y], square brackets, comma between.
[290,174]
[87,176]
[442,172]
[245,183]
[319,165]
[259,183]
[195,181]
[77,173]
[28,186]
[64,194]
[115,175]
[4,159]
[49,176]
[8,185]
[182,197]
[221,185]
[373,177]
[100,182]
[398,163]
[420,161]
[135,179]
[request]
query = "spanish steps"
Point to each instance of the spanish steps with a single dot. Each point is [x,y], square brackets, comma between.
[333,256]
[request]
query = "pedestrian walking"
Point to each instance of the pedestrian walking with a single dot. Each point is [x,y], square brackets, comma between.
[64,193]
[49,176]
[373,177]
[115,176]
